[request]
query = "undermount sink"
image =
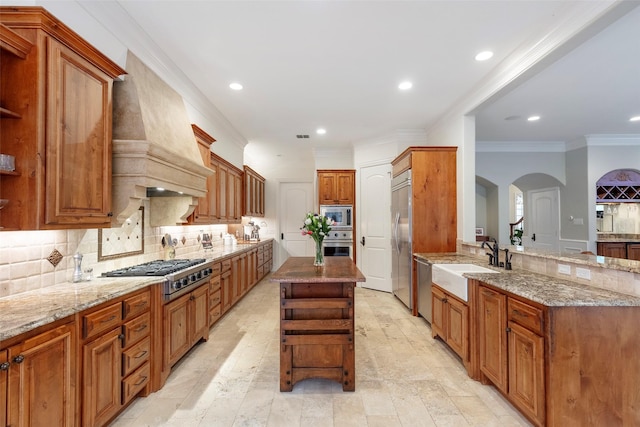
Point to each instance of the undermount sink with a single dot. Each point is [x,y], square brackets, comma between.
[450,277]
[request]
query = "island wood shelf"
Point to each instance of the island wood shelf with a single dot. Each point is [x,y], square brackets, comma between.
[317,320]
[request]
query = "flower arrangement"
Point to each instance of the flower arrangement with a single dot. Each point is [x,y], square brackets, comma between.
[317,227]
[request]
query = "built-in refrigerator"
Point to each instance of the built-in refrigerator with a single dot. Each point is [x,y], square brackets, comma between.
[401,270]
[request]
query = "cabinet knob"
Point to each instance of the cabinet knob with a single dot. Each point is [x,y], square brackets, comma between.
[18,359]
[121,336]
[4,366]
[508,330]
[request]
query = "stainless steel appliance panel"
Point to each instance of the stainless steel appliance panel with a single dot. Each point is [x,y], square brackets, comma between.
[401,275]
[424,289]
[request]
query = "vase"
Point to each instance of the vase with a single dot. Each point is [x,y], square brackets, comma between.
[319,259]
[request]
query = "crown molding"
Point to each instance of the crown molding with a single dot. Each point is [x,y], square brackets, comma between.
[520,147]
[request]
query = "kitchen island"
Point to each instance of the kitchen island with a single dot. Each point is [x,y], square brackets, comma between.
[317,320]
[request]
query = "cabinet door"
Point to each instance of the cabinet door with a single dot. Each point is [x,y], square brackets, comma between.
[526,371]
[492,336]
[613,249]
[42,380]
[326,188]
[457,331]
[344,188]
[199,313]
[237,180]
[226,288]
[101,370]
[223,177]
[438,321]
[4,370]
[177,339]
[633,251]
[78,141]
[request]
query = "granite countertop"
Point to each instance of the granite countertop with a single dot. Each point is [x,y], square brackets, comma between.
[302,270]
[546,290]
[28,310]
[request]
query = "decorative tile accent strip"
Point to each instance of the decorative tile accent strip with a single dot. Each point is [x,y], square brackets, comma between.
[54,257]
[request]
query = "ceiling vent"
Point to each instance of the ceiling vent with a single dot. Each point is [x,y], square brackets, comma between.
[302,136]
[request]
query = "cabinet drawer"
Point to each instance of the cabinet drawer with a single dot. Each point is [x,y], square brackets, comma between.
[135,356]
[101,320]
[214,297]
[214,313]
[136,329]
[525,315]
[135,382]
[216,269]
[214,284]
[260,259]
[226,265]
[136,304]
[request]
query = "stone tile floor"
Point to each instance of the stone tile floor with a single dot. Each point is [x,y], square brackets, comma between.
[403,377]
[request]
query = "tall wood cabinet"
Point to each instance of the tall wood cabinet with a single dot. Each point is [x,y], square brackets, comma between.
[336,187]
[433,196]
[59,129]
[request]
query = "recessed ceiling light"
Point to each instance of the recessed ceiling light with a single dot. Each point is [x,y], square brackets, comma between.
[405,85]
[235,86]
[483,56]
[321,131]
[635,119]
[533,118]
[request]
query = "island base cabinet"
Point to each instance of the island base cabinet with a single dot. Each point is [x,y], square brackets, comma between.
[450,321]
[316,333]
[41,380]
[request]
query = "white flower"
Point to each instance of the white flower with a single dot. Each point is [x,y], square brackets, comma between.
[307,221]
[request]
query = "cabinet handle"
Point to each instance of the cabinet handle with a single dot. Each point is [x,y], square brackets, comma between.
[4,366]
[141,354]
[142,379]
[517,312]
[191,298]
[109,319]
[18,359]
[141,328]
[508,330]
[121,336]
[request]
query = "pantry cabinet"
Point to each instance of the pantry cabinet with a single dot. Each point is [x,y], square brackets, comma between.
[336,187]
[254,185]
[38,379]
[60,130]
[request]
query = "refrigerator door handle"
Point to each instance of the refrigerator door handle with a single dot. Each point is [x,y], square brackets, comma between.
[395,231]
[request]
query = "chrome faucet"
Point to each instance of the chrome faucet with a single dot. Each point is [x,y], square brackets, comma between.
[493,256]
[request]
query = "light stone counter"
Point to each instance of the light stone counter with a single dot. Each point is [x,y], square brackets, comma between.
[28,310]
[546,290]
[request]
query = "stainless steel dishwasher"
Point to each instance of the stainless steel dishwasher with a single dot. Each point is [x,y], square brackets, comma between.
[424,289]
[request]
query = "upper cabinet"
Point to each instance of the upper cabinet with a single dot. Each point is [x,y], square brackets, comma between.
[228,190]
[253,193]
[56,121]
[206,212]
[336,187]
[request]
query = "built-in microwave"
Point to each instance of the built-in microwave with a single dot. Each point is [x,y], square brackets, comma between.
[340,214]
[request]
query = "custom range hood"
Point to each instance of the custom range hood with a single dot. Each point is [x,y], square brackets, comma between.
[153,147]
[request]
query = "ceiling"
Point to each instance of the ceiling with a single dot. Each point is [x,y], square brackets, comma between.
[337,65]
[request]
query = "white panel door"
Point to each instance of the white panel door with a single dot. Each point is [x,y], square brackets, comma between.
[375,216]
[543,230]
[296,200]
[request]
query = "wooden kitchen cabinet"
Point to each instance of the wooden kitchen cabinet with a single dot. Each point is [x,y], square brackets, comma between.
[215,294]
[450,321]
[206,212]
[116,355]
[512,350]
[40,379]
[633,251]
[186,321]
[61,91]
[336,187]
[612,249]
[254,187]
[229,190]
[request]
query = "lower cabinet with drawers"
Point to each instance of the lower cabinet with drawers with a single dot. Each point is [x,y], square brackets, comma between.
[116,349]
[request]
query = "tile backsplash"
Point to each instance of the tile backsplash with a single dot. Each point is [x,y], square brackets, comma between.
[23,254]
